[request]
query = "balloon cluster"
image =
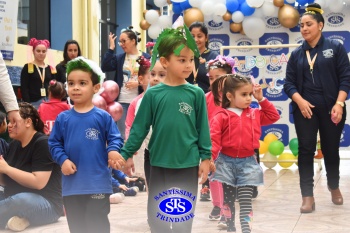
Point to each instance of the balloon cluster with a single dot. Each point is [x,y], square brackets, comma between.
[105,100]
[245,16]
[273,151]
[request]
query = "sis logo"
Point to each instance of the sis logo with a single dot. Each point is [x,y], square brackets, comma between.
[273,23]
[244,42]
[274,88]
[335,19]
[175,205]
[245,68]
[342,36]
[274,39]
[281,131]
[215,25]
[218,40]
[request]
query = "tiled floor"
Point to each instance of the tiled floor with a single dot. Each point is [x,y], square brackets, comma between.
[276,210]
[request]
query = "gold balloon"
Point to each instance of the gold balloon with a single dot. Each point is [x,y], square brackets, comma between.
[168,1]
[193,15]
[144,25]
[227,16]
[278,3]
[288,16]
[236,27]
[144,13]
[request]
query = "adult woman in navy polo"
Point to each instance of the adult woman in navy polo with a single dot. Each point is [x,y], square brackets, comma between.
[126,69]
[317,81]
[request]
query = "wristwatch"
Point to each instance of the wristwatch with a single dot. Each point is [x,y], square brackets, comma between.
[340,103]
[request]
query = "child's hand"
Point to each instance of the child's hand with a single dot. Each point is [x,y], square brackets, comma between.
[68,168]
[129,167]
[203,170]
[123,187]
[115,160]
[128,179]
[212,167]
[257,92]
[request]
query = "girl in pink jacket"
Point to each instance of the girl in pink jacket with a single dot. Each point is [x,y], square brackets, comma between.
[235,131]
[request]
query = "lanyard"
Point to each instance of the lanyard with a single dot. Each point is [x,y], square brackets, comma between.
[311,63]
[42,75]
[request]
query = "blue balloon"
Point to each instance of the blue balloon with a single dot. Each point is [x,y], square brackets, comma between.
[311,1]
[302,2]
[246,9]
[241,1]
[177,8]
[232,5]
[185,5]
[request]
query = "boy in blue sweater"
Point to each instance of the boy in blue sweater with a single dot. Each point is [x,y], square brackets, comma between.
[78,144]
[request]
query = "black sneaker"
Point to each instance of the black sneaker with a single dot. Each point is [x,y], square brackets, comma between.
[205,194]
[215,214]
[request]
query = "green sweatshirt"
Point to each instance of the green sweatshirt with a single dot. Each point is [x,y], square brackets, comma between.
[180,129]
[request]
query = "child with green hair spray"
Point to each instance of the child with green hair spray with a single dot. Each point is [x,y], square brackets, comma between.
[180,146]
[78,144]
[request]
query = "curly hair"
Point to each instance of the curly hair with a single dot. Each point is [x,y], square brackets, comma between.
[27,110]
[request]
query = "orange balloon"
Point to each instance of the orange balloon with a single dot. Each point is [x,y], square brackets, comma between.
[144,25]
[193,15]
[278,3]
[227,16]
[288,16]
[236,27]
[168,1]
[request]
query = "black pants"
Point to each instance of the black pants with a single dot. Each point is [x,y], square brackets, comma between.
[163,179]
[87,213]
[330,134]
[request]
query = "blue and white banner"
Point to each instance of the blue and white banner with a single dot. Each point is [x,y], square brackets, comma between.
[8,27]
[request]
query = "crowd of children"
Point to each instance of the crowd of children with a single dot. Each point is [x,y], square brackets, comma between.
[85,141]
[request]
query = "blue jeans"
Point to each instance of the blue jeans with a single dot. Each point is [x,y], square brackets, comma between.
[121,122]
[35,208]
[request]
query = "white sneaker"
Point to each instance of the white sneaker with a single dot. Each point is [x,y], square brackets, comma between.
[17,224]
[135,188]
[116,198]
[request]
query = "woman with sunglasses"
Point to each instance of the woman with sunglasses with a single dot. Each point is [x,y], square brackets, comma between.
[126,68]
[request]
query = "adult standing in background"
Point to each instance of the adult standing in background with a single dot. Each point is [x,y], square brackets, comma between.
[36,75]
[200,33]
[71,51]
[126,69]
[317,81]
[7,95]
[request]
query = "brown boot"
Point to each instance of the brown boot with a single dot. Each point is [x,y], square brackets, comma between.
[337,198]
[308,205]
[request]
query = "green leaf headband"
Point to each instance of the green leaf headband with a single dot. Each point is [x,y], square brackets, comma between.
[170,33]
[81,63]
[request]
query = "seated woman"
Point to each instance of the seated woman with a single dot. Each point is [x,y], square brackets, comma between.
[32,180]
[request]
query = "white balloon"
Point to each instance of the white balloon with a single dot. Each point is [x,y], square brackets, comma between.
[290,1]
[152,16]
[237,17]
[269,9]
[220,9]
[253,27]
[255,3]
[164,21]
[207,7]
[220,2]
[178,0]
[323,3]
[154,30]
[217,18]
[160,3]
[195,3]
[336,6]
[258,13]
[347,1]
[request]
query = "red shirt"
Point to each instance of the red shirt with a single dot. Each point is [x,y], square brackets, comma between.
[48,111]
[211,107]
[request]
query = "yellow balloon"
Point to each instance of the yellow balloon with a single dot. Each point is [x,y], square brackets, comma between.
[263,147]
[270,137]
[288,16]
[192,15]
[286,156]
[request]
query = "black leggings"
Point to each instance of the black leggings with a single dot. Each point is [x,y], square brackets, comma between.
[244,194]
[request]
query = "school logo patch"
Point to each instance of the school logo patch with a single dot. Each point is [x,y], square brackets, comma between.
[92,134]
[328,53]
[185,108]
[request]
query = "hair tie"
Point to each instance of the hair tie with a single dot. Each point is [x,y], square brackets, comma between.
[313,10]
[150,44]
[144,62]
[53,82]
